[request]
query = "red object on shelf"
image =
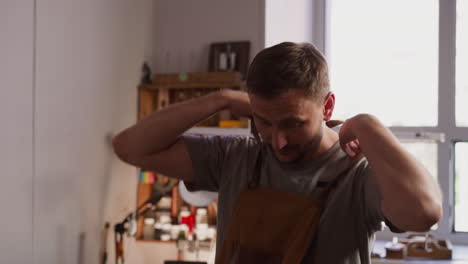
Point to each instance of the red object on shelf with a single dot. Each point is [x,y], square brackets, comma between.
[189,221]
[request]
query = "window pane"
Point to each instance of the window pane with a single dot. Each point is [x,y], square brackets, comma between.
[285,21]
[426,153]
[461,182]
[384,59]
[462,63]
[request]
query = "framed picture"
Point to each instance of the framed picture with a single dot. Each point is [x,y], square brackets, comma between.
[230,56]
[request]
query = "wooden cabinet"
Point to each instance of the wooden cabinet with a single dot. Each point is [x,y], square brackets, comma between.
[173,88]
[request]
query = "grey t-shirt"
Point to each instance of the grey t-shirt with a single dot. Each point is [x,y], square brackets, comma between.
[352,213]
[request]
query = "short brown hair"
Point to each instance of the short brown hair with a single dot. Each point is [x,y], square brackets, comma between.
[286,66]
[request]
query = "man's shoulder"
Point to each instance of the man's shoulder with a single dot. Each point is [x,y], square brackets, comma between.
[224,143]
[224,139]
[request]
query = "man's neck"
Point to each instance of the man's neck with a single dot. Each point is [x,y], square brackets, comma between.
[327,141]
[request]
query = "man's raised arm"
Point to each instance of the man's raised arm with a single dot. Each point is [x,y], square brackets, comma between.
[411,197]
[155,142]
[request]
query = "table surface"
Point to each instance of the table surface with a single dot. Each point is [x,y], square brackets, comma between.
[459,255]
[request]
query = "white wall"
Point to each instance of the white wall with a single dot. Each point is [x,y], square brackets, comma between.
[61,97]
[16,133]
[89,55]
[183,30]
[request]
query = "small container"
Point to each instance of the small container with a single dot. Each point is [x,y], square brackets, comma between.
[166,231]
[175,229]
[165,219]
[395,250]
[163,216]
[184,212]
[148,230]
[202,232]
[202,216]
[158,231]
[165,203]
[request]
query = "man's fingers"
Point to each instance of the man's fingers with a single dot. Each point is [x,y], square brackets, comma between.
[355,145]
[349,151]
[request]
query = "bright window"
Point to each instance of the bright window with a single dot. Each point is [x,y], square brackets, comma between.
[461,184]
[426,153]
[287,20]
[383,58]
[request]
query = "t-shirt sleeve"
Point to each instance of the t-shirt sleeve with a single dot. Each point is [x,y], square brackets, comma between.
[208,155]
[372,202]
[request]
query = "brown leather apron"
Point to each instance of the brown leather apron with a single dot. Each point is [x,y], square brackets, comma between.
[273,226]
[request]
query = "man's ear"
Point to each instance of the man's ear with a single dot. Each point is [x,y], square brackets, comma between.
[328,106]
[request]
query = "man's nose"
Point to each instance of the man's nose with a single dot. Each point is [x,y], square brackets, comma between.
[279,140]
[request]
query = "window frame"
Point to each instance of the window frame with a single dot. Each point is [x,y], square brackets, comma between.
[446,125]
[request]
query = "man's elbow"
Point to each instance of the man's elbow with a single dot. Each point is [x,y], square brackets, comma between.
[418,217]
[431,215]
[428,215]
[119,145]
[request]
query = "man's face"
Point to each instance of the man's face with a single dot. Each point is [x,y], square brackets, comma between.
[291,123]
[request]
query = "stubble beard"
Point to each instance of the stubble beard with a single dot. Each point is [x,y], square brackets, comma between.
[307,151]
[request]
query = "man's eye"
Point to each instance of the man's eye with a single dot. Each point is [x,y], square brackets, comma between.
[263,122]
[295,124]
[266,123]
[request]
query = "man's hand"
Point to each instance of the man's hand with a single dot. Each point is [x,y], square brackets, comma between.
[156,142]
[238,103]
[348,141]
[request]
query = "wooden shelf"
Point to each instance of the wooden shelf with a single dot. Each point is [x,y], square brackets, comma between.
[203,80]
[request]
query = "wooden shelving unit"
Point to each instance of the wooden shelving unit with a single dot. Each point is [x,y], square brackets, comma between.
[167,89]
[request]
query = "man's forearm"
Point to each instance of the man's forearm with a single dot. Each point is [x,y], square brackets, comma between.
[162,128]
[411,197]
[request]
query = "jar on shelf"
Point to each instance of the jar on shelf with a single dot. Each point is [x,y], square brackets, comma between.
[148,228]
[202,216]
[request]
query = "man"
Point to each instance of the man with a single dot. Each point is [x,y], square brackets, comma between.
[310,185]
